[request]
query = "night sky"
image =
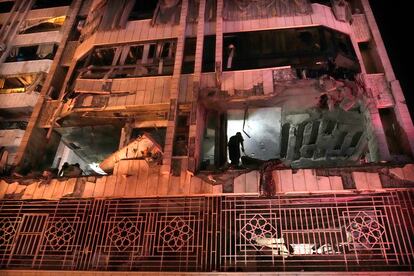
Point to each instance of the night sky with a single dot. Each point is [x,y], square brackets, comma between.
[395,20]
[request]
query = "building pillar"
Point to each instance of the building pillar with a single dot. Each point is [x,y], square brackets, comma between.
[400,106]
[196,125]
[219,43]
[175,86]
[32,130]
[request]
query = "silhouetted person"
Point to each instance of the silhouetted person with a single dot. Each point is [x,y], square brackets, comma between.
[234,148]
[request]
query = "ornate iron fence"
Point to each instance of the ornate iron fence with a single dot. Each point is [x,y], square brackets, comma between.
[233,233]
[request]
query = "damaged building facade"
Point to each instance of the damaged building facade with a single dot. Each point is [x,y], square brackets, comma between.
[115,118]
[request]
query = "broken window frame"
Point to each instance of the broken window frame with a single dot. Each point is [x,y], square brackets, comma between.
[18,83]
[156,59]
[34,52]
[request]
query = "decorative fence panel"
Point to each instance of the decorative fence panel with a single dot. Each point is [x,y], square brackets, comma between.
[233,233]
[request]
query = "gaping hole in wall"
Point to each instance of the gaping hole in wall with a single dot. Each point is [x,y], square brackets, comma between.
[370,57]
[6,6]
[260,129]
[143,10]
[43,25]
[139,60]
[43,4]
[87,146]
[35,52]
[312,51]
[189,55]
[288,123]
[22,83]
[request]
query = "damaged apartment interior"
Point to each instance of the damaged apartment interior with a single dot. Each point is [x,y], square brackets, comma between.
[127,99]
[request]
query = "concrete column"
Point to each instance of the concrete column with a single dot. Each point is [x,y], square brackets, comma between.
[32,129]
[195,140]
[219,42]
[401,110]
[175,87]
[377,142]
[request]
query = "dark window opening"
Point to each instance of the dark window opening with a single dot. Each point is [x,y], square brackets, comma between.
[166,50]
[75,32]
[370,58]
[189,55]
[143,10]
[43,4]
[103,57]
[151,52]
[6,6]
[396,138]
[22,53]
[13,125]
[209,54]
[44,51]
[135,54]
[316,49]
[181,135]
[123,61]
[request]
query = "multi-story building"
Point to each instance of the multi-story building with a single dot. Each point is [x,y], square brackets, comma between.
[144,96]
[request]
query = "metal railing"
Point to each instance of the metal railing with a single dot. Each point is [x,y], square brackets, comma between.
[370,232]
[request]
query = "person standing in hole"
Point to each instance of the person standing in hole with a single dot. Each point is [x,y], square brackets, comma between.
[234,148]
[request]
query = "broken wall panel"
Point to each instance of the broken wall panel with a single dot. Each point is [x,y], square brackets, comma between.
[321,15]
[143,91]
[248,10]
